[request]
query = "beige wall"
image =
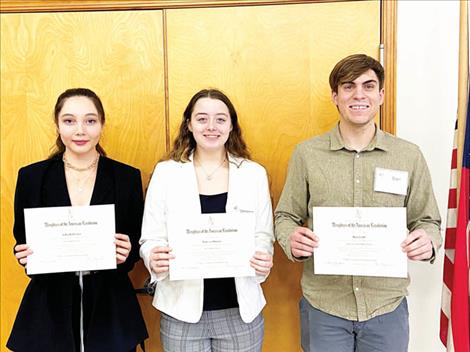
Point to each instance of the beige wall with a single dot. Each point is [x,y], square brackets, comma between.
[273,61]
[428,49]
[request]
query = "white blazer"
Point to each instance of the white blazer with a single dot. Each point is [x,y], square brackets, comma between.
[173,190]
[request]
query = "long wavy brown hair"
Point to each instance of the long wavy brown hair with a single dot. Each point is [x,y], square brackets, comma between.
[185,144]
[59,147]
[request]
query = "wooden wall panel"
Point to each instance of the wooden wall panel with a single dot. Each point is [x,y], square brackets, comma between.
[11,6]
[117,54]
[274,63]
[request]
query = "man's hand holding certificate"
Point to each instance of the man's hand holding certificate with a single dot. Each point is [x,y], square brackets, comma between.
[360,241]
[70,239]
[211,246]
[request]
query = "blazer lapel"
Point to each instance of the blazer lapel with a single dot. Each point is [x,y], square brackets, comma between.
[187,187]
[54,189]
[104,183]
[235,184]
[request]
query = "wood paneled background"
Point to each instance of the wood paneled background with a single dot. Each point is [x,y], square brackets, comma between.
[272,61]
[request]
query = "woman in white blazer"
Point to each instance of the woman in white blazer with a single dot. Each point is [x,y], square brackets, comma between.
[208,171]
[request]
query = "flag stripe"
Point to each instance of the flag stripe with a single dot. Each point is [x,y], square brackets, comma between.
[444,331]
[448,275]
[452,218]
[453,178]
[459,302]
[452,203]
[450,238]
[454,159]
[455,314]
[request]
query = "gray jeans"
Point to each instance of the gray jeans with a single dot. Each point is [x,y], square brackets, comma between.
[322,332]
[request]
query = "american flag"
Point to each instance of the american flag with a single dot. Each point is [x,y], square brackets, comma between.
[455,313]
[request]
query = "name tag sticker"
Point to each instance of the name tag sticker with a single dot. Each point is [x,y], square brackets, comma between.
[390,181]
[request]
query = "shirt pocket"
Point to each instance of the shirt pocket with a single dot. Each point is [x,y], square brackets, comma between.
[383,199]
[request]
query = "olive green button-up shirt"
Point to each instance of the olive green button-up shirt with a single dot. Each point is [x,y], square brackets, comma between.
[322,172]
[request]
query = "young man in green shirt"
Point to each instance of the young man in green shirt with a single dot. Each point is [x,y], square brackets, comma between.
[337,169]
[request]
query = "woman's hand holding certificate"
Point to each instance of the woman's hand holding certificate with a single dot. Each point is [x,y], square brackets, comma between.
[262,263]
[21,253]
[160,259]
[123,247]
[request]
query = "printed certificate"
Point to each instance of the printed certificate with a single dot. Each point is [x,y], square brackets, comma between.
[211,246]
[360,241]
[79,238]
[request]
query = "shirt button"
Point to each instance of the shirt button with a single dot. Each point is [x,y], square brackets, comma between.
[357,181]
[357,155]
[357,288]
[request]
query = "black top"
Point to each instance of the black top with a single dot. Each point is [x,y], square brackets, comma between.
[47,318]
[219,293]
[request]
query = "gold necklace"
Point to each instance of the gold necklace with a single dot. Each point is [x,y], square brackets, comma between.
[211,174]
[80,169]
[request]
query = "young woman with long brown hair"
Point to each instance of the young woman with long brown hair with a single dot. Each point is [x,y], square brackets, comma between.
[208,171]
[80,311]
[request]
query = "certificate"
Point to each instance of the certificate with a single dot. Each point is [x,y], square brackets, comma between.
[211,245]
[79,238]
[360,241]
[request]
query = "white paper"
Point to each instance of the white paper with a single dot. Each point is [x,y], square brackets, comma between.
[391,181]
[211,246]
[360,241]
[78,238]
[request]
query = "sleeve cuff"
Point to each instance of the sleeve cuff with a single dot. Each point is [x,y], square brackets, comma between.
[433,256]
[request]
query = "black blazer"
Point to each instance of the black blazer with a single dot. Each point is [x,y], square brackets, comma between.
[49,312]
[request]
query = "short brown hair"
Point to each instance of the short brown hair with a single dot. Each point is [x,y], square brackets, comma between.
[184,143]
[351,67]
